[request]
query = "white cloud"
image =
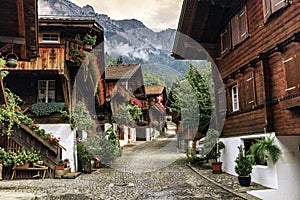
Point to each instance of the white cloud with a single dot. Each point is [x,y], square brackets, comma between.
[155,14]
[44,8]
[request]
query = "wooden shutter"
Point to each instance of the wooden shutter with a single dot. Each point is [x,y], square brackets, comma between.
[235,30]
[249,90]
[243,24]
[226,40]
[277,4]
[267,9]
[229,99]
[291,75]
[239,27]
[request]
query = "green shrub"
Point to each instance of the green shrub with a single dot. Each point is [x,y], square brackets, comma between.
[244,162]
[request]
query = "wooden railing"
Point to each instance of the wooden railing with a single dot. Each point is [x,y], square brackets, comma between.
[51,58]
[24,137]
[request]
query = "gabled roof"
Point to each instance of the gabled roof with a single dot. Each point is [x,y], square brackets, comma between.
[200,24]
[121,71]
[71,25]
[154,89]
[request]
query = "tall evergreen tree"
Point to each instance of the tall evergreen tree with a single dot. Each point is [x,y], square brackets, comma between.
[191,100]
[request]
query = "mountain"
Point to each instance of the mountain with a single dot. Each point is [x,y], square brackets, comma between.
[128,38]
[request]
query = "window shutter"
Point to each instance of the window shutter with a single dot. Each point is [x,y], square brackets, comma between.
[291,74]
[226,40]
[243,24]
[267,9]
[277,4]
[242,91]
[235,30]
[249,90]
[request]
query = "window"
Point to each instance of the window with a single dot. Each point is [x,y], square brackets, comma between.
[271,6]
[235,98]
[50,37]
[247,144]
[292,72]
[235,32]
[225,40]
[46,90]
[239,27]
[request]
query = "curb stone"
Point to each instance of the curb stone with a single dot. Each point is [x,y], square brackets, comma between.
[245,195]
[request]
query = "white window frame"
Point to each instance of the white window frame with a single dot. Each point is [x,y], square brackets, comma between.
[45,95]
[235,98]
[50,41]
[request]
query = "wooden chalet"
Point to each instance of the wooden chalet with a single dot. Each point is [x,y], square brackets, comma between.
[157,98]
[256,48]
[124,83]
[46,72]
[125,76]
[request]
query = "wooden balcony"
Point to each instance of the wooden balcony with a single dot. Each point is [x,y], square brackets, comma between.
[51,58]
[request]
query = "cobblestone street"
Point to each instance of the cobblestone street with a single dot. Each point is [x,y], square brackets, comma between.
[172,181]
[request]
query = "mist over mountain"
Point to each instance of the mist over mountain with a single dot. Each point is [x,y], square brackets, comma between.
[128,38]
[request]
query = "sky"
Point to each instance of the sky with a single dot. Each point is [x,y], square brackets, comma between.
[155,14]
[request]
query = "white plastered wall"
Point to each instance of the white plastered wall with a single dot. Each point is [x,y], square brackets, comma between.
[283,177]
[67,140]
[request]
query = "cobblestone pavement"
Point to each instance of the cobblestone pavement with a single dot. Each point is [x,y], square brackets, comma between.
[174,181]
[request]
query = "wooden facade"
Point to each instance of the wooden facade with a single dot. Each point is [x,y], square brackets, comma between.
[18,33]
[53,66]
[256,49]
[124,82]
[56,64]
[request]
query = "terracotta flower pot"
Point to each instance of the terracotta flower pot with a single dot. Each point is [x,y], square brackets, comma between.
[216,167]
[87,168]
[59,167]
[25,166]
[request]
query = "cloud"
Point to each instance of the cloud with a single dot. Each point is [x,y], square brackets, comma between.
[155,14]
[44,8]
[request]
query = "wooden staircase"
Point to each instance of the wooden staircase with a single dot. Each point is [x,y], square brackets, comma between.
[24,137]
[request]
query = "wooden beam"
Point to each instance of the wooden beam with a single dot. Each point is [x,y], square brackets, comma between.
[3,99]
[21,25]
[12,40]
[21,20]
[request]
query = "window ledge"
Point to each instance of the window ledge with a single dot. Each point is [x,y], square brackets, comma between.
[260,166]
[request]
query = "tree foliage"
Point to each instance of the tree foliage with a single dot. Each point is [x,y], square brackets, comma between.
[191,98]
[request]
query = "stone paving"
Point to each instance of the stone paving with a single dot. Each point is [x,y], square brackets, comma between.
[174,181]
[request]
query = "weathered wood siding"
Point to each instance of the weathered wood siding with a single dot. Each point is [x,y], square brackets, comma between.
[272,100]
[286,120]
[264,36]
[50,59]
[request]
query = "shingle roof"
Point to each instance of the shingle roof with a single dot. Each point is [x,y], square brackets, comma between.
[154,89]
[121,71]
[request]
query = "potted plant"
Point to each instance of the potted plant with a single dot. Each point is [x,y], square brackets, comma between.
[33,156]
[88,42]
[85,157]
[264,148]
[60,165]
[76,55]
[66,163]
[212,148]
[244,166]
[21,159]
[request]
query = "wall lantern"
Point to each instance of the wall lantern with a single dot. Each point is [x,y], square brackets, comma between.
[11,60]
